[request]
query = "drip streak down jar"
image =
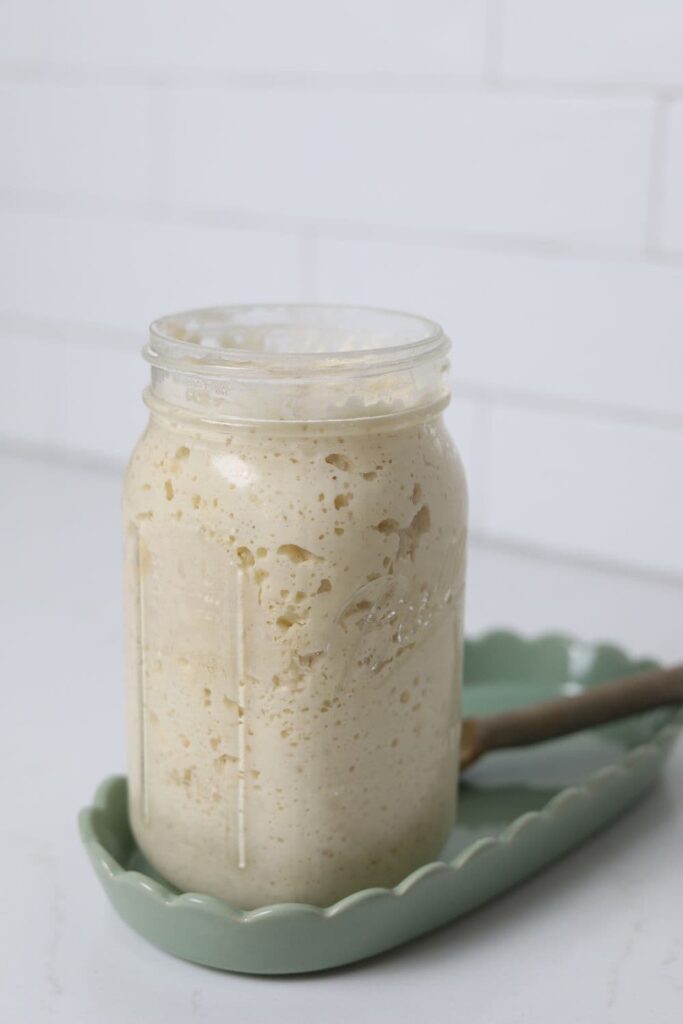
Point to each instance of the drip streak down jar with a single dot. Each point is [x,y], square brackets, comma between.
[295,528]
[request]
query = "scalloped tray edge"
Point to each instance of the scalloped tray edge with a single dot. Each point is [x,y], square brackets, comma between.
[638,764]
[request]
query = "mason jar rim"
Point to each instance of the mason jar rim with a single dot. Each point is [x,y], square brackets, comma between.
[206,341]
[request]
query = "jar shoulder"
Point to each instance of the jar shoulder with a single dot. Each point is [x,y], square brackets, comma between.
[348,480]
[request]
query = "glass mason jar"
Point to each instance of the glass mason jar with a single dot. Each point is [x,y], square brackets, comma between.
[295,522]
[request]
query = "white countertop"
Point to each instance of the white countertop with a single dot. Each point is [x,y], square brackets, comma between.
[595,938]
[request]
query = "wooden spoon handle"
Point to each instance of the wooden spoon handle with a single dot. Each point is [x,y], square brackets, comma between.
[605,703]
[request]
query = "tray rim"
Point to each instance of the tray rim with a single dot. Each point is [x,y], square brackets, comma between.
[142,887]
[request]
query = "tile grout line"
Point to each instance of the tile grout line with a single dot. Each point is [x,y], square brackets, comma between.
[157,150]
[493,47]
[85,335]
[657,177]
[559,405]
[579,560]
[18,201]
[398,82]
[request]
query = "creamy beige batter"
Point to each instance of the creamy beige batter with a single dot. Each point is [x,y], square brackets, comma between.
[294,602]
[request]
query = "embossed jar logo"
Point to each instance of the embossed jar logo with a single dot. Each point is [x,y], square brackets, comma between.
[389,616]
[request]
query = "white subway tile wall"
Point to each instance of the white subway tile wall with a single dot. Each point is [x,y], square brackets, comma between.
[73,140]
[483,164]
[671,225]
[513,168]
[606,490]
[117,270]
[33,390]
[605,332]
[358,37]
[630,42]
[110,414]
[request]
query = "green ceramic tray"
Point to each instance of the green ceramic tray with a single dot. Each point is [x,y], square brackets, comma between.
[518,811]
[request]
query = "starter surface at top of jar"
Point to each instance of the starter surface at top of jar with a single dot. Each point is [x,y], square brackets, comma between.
[294,622]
